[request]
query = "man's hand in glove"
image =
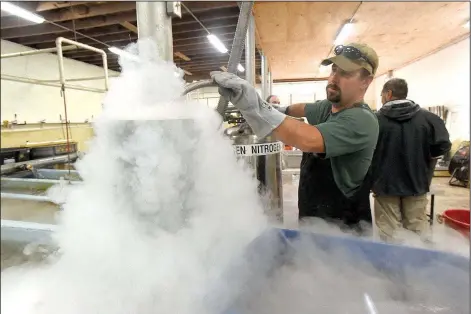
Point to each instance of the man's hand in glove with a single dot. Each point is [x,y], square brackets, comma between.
[261,117]
[281,109]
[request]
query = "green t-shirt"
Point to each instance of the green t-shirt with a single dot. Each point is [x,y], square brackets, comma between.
[350,138]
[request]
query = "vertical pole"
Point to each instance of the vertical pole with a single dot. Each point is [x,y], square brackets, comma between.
[153,22]
[265,77]
[270,82]
[250,52]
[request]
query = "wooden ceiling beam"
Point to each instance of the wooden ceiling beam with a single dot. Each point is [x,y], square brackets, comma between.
[52,5]
[201,6]
[78,12]
[210,25]
[201,60]
[110,39]
[228,38]
[192,51]
[200,49]
[203,43]
[224,13]
[203,35]
[94,33]
[100,32]
[123,35]
[189,36]
[129,26]
[182,56]
[41,29]
[86,53]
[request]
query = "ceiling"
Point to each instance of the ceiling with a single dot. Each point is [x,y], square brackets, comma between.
[296,36]
[113,23]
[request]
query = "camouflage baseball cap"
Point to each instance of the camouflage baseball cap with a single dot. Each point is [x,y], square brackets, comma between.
[354,56]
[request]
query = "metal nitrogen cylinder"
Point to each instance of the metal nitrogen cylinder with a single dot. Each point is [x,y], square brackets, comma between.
[264,157]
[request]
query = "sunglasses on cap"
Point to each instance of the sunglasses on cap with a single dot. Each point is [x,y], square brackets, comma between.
[352,53]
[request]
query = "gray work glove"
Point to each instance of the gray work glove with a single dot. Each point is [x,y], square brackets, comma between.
[281,109]
[261,116]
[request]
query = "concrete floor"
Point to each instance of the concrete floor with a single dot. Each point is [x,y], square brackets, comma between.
[446,197]
[442,237]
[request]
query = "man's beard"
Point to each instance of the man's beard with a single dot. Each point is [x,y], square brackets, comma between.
[336,97]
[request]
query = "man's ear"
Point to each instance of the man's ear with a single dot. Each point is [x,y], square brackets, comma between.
[367,81]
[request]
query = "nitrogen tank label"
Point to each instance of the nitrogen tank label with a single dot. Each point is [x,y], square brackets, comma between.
[258,149]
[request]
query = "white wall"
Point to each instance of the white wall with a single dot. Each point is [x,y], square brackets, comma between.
[441,79]
[32,103]
[289,93]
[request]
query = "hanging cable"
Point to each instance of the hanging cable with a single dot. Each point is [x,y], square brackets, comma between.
[196,19]
[79,33]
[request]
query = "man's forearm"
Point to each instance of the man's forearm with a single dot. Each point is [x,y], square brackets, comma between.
[296,110]
[300,135]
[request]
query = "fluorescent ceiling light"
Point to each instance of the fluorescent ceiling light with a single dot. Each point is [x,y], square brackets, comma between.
[123,53]
[240,68]
[344,33]
[217,43]
[16,10]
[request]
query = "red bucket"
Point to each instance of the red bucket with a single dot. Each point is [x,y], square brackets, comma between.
[457,219]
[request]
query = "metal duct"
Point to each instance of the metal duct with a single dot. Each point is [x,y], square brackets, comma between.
[11,168]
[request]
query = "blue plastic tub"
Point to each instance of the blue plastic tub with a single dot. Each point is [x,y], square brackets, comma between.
[445,277]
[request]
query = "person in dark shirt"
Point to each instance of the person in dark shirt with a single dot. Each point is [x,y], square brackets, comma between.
[410,140]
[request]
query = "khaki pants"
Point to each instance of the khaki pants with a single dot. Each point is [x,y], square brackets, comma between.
[394,212]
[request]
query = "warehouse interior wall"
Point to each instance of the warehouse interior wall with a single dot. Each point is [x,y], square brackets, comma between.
[289,93]
[440,79]
[30,104]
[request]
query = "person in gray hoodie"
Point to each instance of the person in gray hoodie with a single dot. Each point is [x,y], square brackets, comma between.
[410,140]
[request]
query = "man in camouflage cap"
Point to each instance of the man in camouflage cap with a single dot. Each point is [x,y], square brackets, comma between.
[337,143]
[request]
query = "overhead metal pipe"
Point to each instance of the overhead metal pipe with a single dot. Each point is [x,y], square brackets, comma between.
[153,22]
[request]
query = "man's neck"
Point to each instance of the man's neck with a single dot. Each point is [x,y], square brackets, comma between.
[347,105]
